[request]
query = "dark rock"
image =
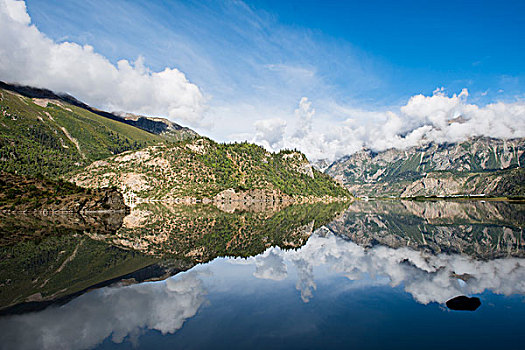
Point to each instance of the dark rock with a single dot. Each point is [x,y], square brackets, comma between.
[463,303]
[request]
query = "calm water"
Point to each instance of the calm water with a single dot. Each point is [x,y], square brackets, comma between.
[373,276]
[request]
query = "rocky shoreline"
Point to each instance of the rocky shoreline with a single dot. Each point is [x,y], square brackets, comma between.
[247,198]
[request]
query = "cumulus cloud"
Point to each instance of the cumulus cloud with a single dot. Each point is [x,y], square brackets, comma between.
[423,119]
[109,312]
[27,56]
[270,132]
[304,115]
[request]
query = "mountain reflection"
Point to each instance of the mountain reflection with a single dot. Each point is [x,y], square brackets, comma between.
[485,230]
[54,258]
[434,251]
[201,233]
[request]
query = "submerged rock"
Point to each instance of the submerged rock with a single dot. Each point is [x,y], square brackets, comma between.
[463,303]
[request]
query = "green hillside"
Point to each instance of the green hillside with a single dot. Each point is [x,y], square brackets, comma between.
[48,135]
[52,138]
[202,168]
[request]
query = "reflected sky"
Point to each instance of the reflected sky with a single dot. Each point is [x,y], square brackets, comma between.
[292,294]
[113,312]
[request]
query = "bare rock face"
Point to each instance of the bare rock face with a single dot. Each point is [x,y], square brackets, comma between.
[476,166]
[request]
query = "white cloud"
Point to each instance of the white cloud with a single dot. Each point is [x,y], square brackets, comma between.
[275,67]
[28,56]
[270,132]
[270,265]
[304,115]
[423,119]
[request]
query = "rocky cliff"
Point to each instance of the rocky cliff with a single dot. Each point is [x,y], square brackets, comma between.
[476,166]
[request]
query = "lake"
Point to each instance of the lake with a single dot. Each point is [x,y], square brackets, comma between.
[365,275]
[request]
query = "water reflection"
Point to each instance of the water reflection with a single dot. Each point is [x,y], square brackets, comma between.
[432,252]
[116,312]
[55,257]
[126,312]
[485,230]
[427,277]
[203,232]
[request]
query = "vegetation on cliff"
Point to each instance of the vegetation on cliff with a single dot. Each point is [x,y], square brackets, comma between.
[202,168]
[50,135]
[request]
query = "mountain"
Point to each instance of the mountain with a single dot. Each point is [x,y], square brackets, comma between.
[159,126]
[49,134]
[476,166]
[155,125]
[55,135]
[201,169]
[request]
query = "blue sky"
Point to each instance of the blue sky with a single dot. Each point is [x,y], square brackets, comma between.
[406,47]
[254,61]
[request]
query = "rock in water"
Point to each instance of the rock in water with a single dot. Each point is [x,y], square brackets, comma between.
[464,303]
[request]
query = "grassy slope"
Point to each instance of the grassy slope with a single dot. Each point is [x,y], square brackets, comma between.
[33,142]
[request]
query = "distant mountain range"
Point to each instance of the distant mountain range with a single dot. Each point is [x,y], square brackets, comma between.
[478,166]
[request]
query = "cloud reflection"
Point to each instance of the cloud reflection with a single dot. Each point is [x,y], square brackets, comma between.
[428,278]
[126,312]
[109,312]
